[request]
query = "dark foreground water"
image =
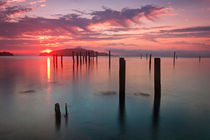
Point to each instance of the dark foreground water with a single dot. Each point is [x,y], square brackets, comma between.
[30,86]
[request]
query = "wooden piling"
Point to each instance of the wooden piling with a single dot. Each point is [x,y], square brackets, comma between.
[86,54]
[199,59]
[77,59]
[53,59]
[174,56]
[61,60]
[109,58]
[56,61]
[80,57]
[122,68]
[150,62]
[89,56]
[66,110]
[97,56]
[93,54]
[157,79]
[73,57]
[57,111]
[83,60]
[150,59]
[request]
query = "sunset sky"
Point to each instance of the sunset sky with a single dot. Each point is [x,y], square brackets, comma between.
[30,26]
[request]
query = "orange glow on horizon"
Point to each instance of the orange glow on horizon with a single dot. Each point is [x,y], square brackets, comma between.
[46,51]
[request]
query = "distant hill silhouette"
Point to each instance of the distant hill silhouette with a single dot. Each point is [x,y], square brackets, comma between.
[68,52]
[6,54]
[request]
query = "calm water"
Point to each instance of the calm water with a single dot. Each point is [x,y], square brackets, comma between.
[30,86]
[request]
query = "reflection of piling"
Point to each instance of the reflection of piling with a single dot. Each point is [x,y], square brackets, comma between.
[157,78]
[146,56]
[66,110]
[121,118]
[73,57]
[199,59]
[156,110]
[122,79]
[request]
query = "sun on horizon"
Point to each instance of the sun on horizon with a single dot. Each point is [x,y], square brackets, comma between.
[46,51]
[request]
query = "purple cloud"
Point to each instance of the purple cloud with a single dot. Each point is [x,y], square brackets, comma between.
[7,13]
[127,16]
[2,3]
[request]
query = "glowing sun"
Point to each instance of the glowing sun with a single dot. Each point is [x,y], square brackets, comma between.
[46,51]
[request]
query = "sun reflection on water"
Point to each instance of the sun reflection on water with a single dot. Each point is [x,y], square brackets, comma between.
[48,68]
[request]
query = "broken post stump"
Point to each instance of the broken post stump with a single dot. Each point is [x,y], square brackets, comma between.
[66,110]
[57,111]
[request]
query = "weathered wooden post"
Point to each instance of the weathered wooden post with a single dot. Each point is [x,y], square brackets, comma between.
[62,61]
[93,55]
[157,78]
[122,68]
[83,57]
[86,54]
[174,55]
[150,62]
[73,57]
[89,56]
[57,111]
[56,60]
[77,59]
[96,56]
[80,57]
[174,59]
[109,58]
[66,110]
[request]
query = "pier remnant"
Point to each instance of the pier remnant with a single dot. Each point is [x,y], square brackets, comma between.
[122,68]
[73,57]
[80,57]
[57,111]
[62,61]
[157,78]
[150,61]
[77,59]
[66,110]
[96,56]
[109,58]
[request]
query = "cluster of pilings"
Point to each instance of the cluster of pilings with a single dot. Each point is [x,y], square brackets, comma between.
[84,57]
[55,60]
